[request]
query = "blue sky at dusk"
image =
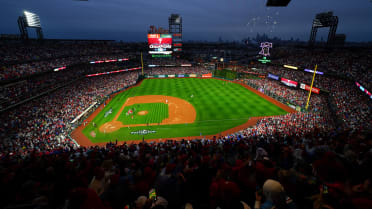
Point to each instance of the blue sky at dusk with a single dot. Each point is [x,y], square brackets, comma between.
[129,20]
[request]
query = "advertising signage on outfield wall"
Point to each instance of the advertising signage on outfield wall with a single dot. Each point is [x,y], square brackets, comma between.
[272,76]
[208,75]
[289,82]
[307,88]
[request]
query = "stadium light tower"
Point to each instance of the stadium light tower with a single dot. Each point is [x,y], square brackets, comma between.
[322,20]
[175,28]
[29,20]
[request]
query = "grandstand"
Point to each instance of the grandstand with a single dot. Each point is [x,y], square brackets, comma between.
[56,93]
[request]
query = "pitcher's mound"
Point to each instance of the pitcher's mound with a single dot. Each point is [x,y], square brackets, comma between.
[144,112]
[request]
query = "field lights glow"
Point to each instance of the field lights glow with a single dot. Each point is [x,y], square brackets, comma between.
[32,19]
[290,67]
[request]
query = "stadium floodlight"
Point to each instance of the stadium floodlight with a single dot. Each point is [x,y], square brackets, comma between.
[290,67]
[32,19]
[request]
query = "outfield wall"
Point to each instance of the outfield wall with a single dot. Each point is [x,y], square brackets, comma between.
[208,75]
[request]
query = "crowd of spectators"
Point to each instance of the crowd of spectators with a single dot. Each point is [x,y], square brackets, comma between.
[353,106]
[177,70]
[13,52]
[170,61]
[42,124]
[317,117]
[239,171]
[297,160]
[26,88]
[26,69]
[354,63]
[295,96]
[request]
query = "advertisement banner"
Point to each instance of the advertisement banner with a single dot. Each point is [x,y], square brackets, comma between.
[193,75]
[289,82]
[312,71]
[161,76]
[180,76]
[307,88]
[208,75]
[272,76]
[171,76]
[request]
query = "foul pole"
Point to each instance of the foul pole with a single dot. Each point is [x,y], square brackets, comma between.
[142,63]
[311,87]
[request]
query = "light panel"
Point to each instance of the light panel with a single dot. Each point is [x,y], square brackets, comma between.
[32,19]
[290,67]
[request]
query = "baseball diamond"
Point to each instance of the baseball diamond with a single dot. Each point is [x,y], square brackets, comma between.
[176,107]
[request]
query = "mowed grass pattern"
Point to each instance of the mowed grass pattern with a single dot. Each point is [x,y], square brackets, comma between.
[157,112]
[219,105]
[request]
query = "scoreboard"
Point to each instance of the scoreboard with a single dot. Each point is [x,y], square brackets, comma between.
[160,44]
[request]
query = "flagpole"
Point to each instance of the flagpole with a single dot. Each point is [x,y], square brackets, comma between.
[142,63]
[311,87]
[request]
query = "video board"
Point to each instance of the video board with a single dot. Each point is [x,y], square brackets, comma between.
[160,44]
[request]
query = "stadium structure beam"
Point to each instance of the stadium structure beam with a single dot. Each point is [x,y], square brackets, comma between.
[175,29]
[324,20]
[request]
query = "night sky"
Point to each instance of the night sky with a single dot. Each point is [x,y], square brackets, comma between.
[129,20]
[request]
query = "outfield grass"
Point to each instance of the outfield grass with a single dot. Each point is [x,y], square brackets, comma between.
[157,112]
[219,107]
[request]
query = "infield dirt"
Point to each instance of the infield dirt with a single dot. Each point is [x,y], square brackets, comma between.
[179,110]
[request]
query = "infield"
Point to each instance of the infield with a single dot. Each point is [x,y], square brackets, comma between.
[177,108]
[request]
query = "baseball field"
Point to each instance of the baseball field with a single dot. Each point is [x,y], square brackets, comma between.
[170,108]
